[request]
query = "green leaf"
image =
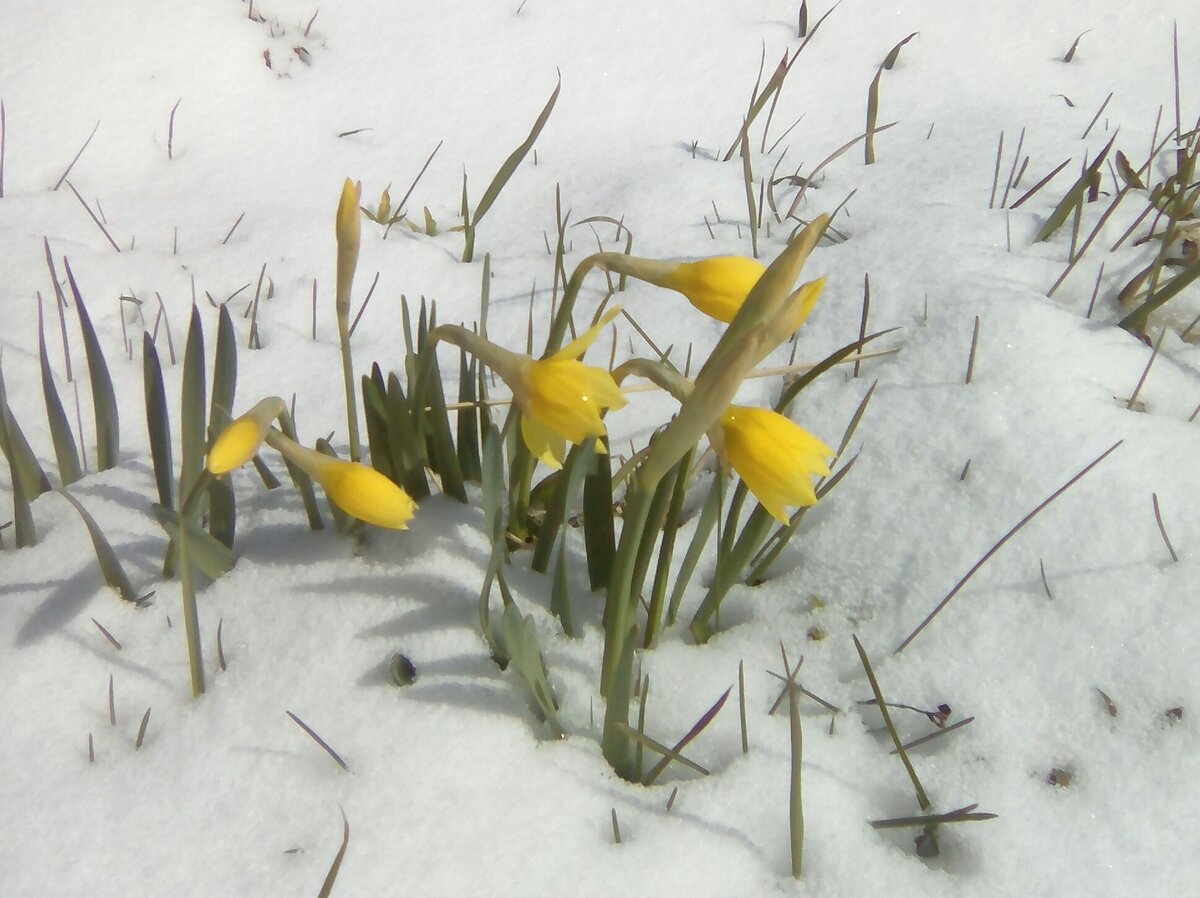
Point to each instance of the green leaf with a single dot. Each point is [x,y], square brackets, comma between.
[506,171]
[104,399]
[444,457]
[208,554]
[374,403]
[560,594]
[158,421]
[110,567]
[224,378]
[1074,197]
[598,530]
[520,639]
[16,448]
[467,420]
[301,480]
[192,425]
[60,428]
[704,528]
[565,486]
[222,510]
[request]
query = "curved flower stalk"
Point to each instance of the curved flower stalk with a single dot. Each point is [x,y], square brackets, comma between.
[239,442]
[560,398]
[717,286]
[356,489]
[774,456]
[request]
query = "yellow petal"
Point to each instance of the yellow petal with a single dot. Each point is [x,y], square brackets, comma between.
[717,286]
[567,396]
[577,347]
[544,444]
[774,456]
[366,494]
[239,442]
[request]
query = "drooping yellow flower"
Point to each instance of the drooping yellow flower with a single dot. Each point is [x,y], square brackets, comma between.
[356,489]
[717,286]
[560,398]
[239,442]
[774,456]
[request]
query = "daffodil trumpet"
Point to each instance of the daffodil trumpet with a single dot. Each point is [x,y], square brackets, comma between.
[561,399]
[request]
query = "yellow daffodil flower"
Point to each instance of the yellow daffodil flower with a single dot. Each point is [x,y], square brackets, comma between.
[356,489]
[239,442]
[774,456]
[560,398]
[717,286]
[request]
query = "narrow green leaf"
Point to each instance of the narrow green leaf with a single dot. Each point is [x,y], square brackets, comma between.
[704,528]
[301,480]
[336,866]
[222,510]
[467,420]
[110,566]
[104,399]
[192,425]
[158,421]
[599,534]
[560,594]
[615,743]
[1074,197]
[224,377]
[212,557]
[17,450]
[792,390]
[520,639]
[697,728]
[894,53]
[872,117]
[510,164]
[922,798]
[670,528]
[408,448]
[444,456]
[566,484]
[25,534]
[374,405]
[60,428]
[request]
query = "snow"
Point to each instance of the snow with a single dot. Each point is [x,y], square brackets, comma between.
[453,788]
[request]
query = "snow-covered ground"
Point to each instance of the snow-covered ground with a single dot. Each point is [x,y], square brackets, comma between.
[452,787]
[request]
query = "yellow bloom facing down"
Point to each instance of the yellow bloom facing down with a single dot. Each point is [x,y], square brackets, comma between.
[239,442]
[365,494]
[774,456]
[561,398]
[356,489]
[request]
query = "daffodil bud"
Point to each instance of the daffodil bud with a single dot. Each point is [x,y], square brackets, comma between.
[356,489]
[348,229]
[239,442]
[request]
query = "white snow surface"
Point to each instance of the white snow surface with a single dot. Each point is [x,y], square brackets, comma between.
[453,788]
